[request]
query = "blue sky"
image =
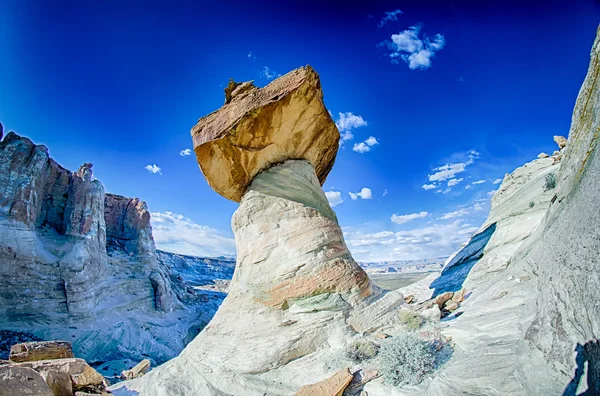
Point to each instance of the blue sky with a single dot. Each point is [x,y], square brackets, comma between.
[437,98]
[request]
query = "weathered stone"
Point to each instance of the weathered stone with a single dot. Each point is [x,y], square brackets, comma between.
[451,306]
[409,299]
[561,141]
[17,381]
[284,120]
[40,350]
[459,296]
[442,298]
[80,373]
[59,381]
[332,386]
[140,369]
[382,336]
[543,155]
[432,313]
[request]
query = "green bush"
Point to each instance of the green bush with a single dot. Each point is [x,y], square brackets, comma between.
[531,204]
[361,350]
[406,359]
[411,319]
[550,181]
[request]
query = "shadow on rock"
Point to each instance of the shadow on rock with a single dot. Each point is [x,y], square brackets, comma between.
[590,353]
[456,271]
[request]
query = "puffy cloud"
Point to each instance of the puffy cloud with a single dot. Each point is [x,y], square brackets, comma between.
[334,198]
[401,219]
[361,148]
[371,141]
[454,182]
[428,186]
[365,146]
[154,169]
[390,16]
[365,193]
[347,122]
[185,152]
[269,74]
[479,182]
[414,50]
[497,181]
[178,234]
[451,215]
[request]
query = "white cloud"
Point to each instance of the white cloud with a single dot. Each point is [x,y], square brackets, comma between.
[185,152]
[334,198]
[417,52]
[385,192]
[365,193]
[448,171]
[454,182]
[497,181]
[269,74]
[451,215]
[479,182]
[361,148]
[468,186]
[434,240]
[428,186]
[347,122]
[178,234]
[401,219]
[371,141]
[390,16]
[154,169]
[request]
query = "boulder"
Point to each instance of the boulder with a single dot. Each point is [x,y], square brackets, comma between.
[432,313]
[543,155]
[16,381]
[257,128]
[451,306]
[442,298]
[81,375]
[332,386]
[140,369]
[561,141]
[40,350]
[409,299]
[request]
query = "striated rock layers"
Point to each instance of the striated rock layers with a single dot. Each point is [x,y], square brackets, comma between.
[296,294]
[528,325]
[79,264]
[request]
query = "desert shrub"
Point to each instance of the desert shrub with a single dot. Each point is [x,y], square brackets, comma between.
[549,181]
[531,204]
[411,319]
[406,359]
[361,350]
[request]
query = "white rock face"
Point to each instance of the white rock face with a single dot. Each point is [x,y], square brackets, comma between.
[77,264]
[295,297]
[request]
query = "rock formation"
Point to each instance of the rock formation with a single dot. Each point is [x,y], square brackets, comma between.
[296,291]
[79,264]
[526,319]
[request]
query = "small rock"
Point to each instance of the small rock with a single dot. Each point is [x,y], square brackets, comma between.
[382,336]
[442,298]
[409,299]
[504,293]
[332,386]
[40,350]
[288,323]
[555,153]
[543,155]
[561,141]
[451,306]
[140,369]
[459,296]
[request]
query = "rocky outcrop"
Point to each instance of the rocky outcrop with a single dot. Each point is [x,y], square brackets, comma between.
[257,128]
[41,350]
[22,381]
[79,264]
[296,293]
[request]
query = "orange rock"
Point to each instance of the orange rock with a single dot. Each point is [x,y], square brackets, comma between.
[442,298]
[332,386]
